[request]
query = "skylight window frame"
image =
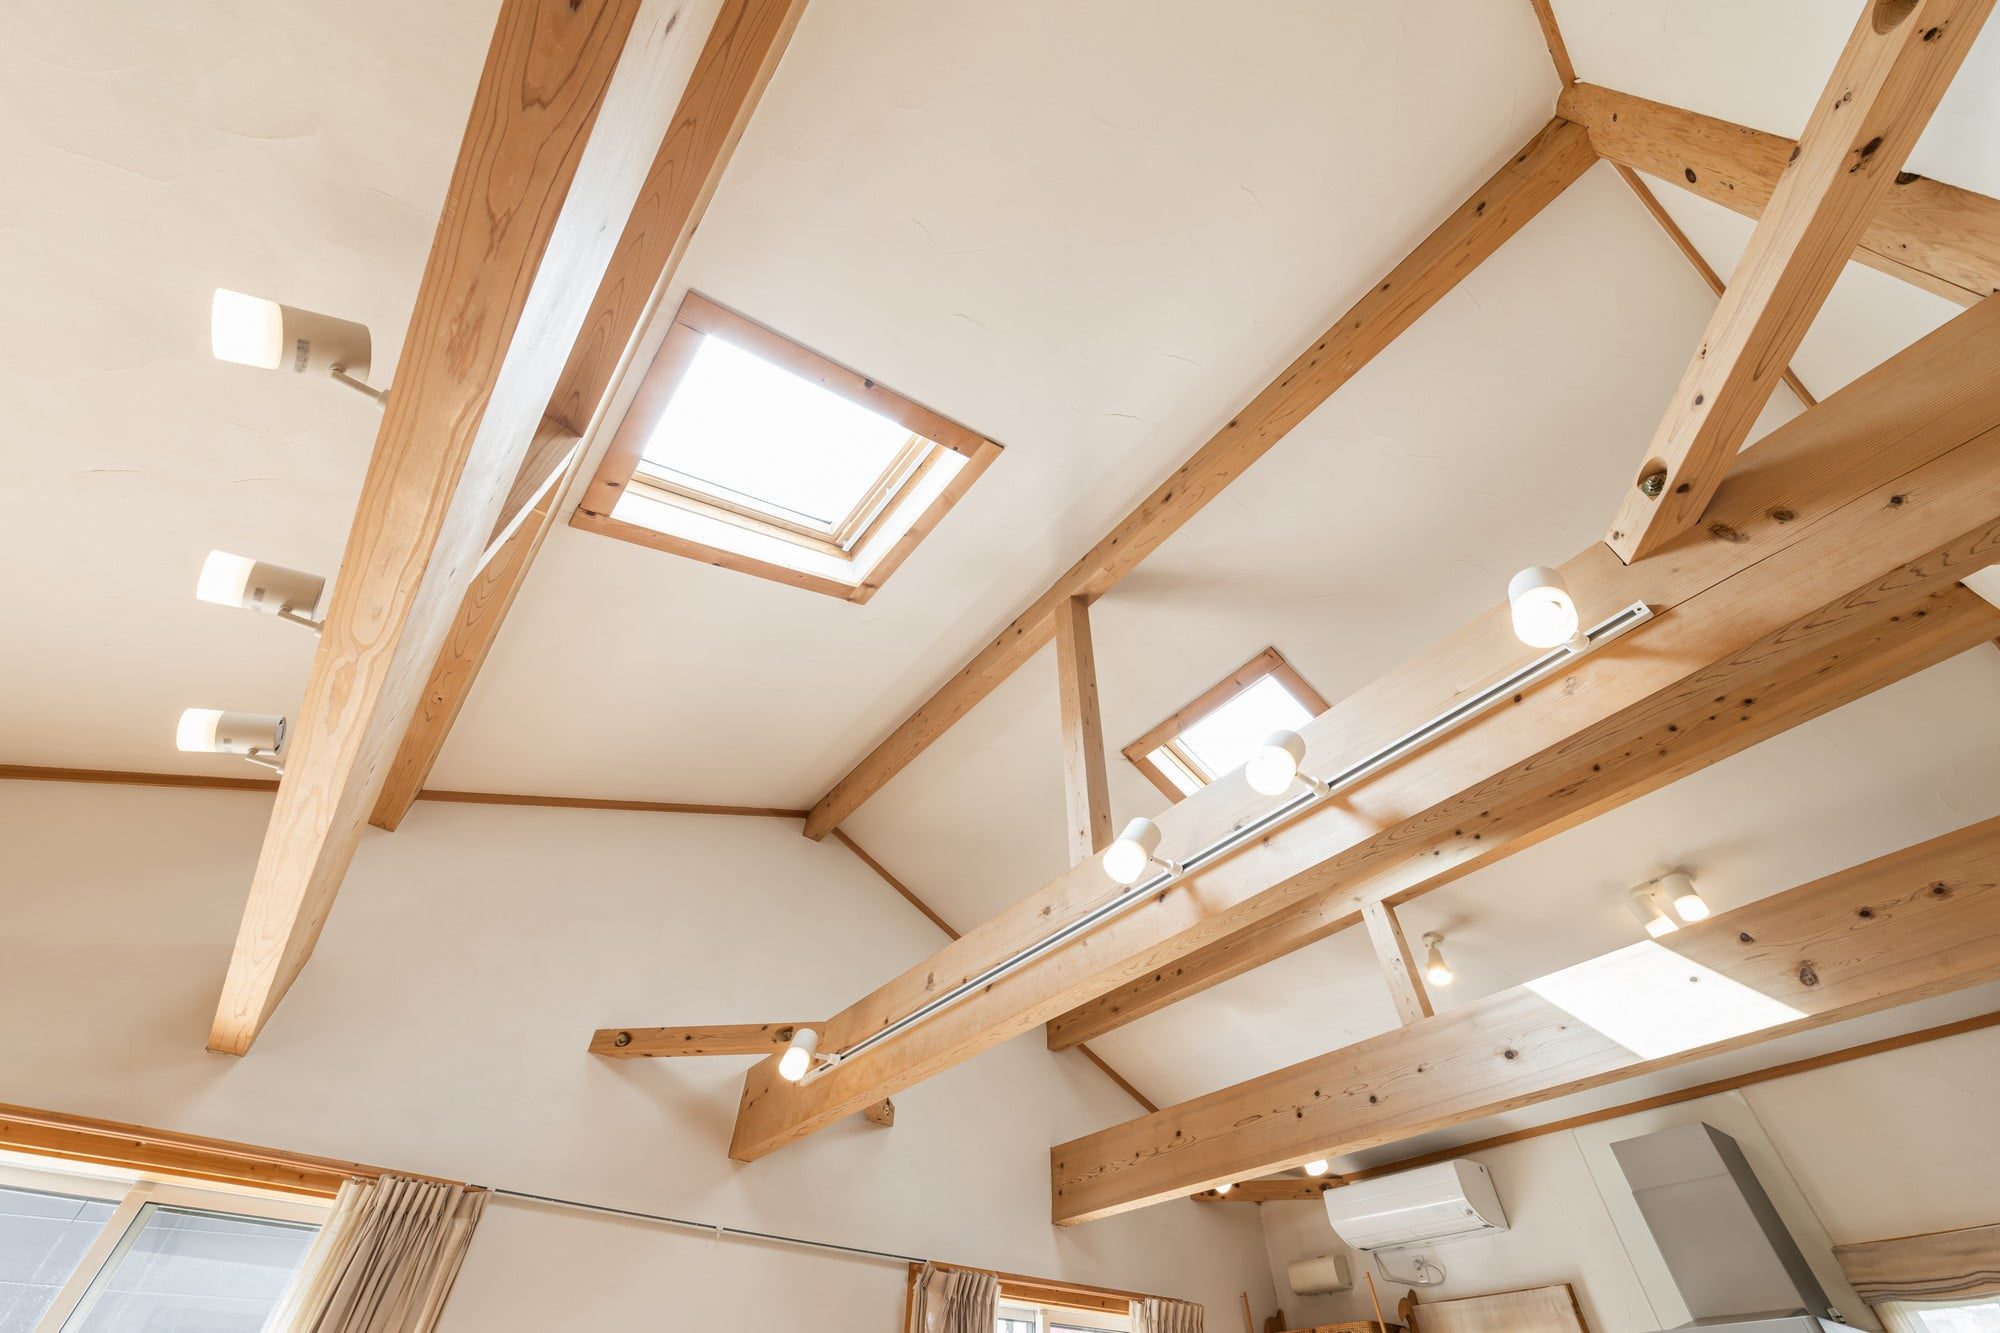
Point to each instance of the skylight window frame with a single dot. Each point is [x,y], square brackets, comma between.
[856,541]
[1165,737]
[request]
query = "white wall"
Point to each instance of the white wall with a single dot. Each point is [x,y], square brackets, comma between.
[441,1025]
[1888,1145]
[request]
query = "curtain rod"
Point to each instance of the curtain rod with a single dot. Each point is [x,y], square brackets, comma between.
[715,1229]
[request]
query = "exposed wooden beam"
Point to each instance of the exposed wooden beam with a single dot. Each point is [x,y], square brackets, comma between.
[1545,15]
[1897,64]
[1488,823]
[1499,208]
[742,49]
[1861,508]
[1086,789]
[1919,922]
[1651,203]
[1937,236]
[715,1039]
[1294,1187]
[554,155]
[881,1113]
[1282,1189]
[1399,969]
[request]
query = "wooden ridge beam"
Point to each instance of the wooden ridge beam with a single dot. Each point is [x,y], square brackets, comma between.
[1486,824]
[743,47]
[1916,923]
[1935,236]
[1533,177]
[715,1039]
[1858,509]
[553,157]
[1086,789]
[1891,76]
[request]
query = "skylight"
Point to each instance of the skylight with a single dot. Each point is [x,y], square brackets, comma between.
[746,451]
[1655,1003]
[1215,733]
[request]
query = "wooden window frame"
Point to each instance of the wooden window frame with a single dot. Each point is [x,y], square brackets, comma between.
[1049,1293]
[621,470]
[1270,662]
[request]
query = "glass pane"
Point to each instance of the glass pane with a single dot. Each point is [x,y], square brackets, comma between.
[1224,739]
[42,1238]
[186,1271]
[1973,1317]
[746,430]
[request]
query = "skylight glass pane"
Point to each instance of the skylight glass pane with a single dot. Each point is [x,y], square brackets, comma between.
[752,432]
[42,1239]
[1225,738]
[1176,772]
[1655,1003]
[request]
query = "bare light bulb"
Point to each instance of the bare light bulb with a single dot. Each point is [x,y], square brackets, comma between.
[1680,893]
[1126,859]
[1544,615]
[798,1056]
[1274,765]
[1436,970]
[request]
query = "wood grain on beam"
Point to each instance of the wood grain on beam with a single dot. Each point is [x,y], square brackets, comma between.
[1885,85]
[1545,15]
[715,1039]
[1399,969]
[1936,236]
[1502,206]
[1494,819]
[1861,508]
[1920,922]
[1086,789]
[1651,203]
[743,47]
[881,1113]
[554,154]
[1285,1189]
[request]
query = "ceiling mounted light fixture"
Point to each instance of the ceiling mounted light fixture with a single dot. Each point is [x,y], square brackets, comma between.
[1679,891]
[1222,1191]
[1544,614]
[1136,849]
[798,1056]
[1436,970]
[1317,1168]
[252,585]
[251,331]
[1646,906]
[253,736]
[1274,765]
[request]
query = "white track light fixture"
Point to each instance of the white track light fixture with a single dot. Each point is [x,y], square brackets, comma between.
[1274,765]
[251,331]
[1317,1168]
[798,1056]
[1544,615]
[254,736]
[1436,970]
[1646,906]
[1136,849]
[1679,891]
[237,580]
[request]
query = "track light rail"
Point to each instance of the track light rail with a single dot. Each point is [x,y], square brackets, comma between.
[1316,792]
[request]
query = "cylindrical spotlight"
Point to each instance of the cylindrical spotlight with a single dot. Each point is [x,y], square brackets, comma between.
[1317,1168]
[1679,891]
[1274,765]
[1222,1191]
[1436,970]
[237,580]
[798,1056]
[252,331]
[1126,859]
[1646,906]
[220,731]
[1544,615]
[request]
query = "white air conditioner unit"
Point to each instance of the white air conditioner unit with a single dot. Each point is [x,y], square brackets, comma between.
[1435,1203]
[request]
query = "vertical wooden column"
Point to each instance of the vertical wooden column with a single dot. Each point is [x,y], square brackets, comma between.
[1086,793]
[1399,969]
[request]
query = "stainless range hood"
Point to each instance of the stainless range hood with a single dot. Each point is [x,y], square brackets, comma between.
[1736,1266]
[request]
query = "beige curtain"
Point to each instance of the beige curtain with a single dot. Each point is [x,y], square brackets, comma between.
[385,1260]
[1157,1314]
[954,1300]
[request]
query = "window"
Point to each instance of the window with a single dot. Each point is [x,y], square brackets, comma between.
[1216,733]
[745,450]
[88,1253]
[1978,1315]
[1020,1317]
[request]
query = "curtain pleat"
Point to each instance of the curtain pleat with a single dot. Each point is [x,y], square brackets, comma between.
[385,1260]
[1157,1314]
[954,1300]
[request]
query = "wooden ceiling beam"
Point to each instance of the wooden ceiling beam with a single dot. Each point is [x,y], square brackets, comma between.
[1919,922]
[1936,236]
[1399,969]
[554,155]
[1533,177]
[1860,508]
[1891,76]
[1086,788]
[715,1039]
[743,47]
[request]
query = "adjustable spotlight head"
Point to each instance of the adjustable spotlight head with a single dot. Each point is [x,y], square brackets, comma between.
[254,736]
[1646,906]
[1222,1191]
[1544,615]
[1317,1168]
[798,1057]
[237,580]
[1436,970]
[251,331]
[1274,765]
[1137,848]
[1679,891]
